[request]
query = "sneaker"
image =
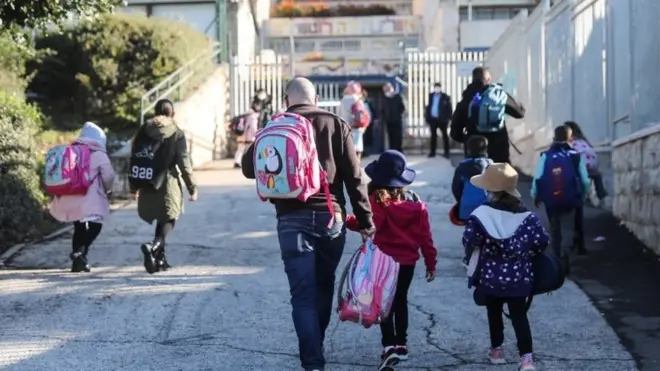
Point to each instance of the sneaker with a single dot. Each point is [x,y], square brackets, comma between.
[496,356]
[527,363]
[402,352]
[149,261]
[388,358]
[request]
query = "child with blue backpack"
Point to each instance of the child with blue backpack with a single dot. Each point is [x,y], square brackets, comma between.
[467,196]
[561,182]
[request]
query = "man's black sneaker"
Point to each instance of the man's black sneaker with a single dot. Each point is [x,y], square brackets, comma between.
[388,358]
[431,155]
[402,352]
[149,261]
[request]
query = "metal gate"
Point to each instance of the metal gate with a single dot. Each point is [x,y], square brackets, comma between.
[452,70]
[268,73]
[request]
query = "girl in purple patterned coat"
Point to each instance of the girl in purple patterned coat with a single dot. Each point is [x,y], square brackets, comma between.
[500,239]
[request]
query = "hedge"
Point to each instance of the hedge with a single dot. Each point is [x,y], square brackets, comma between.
[21,199]
[101,68]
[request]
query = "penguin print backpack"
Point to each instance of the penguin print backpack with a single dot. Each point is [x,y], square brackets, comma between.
[286,163]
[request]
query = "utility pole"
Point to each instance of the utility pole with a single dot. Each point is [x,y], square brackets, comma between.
[221,29]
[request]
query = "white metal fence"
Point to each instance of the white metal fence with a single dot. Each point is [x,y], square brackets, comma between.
[582,60]
[452,70]
[267,73]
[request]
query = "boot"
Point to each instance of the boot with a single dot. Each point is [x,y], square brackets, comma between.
[148,249]
[161,260]
[79,260]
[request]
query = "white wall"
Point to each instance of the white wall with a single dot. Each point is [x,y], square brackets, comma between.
[481,34]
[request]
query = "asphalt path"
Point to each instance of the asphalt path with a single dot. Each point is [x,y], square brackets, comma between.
[225,305]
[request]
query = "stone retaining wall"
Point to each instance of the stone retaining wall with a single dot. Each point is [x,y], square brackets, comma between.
[636,166]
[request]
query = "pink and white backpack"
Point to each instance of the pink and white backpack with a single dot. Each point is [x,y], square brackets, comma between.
[286,163]
[367,286]
[67,170]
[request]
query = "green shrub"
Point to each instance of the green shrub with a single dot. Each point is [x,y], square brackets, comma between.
[21,199]
[101,69]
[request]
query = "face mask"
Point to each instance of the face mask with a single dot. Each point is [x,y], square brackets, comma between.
[437,90]
[261,96]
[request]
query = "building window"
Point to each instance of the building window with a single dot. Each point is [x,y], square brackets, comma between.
[385,44]
[412,42]
[304,46]
[280,45]
[331,46]
[487,13]
[352,45]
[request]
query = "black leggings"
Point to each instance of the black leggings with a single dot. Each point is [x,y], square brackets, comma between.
[395,328]
[162,230]
[84,234]
[518,312]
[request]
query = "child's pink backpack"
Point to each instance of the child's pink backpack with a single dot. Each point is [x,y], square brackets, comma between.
[286,163]
[367,286]
[67,170]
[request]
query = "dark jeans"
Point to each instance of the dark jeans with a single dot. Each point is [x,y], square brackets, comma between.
[395,327]
[518,313]
[395,135]
[311,254]
[597,178]
[84,234]
[434,125]
[562,231]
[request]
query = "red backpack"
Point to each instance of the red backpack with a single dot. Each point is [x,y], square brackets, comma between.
[361,116]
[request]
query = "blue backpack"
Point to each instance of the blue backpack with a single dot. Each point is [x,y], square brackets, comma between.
[472,196]
[559,187]
[486,110]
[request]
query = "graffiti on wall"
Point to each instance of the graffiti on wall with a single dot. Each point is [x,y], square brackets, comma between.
[343,26]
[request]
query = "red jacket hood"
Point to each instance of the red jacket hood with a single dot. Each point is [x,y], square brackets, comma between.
[402,214]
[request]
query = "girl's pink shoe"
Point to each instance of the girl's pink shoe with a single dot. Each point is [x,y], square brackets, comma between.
[496,356]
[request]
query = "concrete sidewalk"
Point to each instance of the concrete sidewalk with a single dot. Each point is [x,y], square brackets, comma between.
[225,305]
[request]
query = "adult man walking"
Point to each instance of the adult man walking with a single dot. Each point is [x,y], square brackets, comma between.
[391,112]
[310,250]
[438,113]
[463,124]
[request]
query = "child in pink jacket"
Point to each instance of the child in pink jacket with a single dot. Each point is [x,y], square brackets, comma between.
[87,212]
[248,137]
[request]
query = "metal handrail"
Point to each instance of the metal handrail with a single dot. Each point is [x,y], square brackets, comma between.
[174,81]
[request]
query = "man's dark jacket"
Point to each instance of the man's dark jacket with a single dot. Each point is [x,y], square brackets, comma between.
[334,143]
[445,109]
[498,142]
[392,109]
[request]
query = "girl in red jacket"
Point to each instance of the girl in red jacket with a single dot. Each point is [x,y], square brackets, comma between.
[402,229]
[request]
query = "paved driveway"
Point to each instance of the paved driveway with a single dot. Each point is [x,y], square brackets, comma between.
[225,306]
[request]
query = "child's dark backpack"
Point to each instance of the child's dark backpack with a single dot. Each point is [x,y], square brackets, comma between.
[238,123]
[149,162]
[559,187]
[549,274]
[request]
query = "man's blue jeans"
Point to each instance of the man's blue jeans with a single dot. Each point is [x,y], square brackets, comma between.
[311,254]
